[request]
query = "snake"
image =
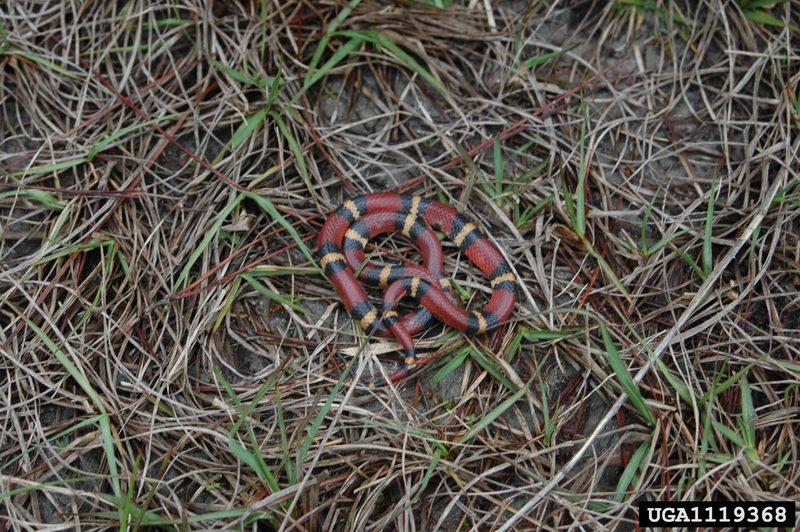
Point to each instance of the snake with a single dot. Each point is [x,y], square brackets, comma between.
[341,252]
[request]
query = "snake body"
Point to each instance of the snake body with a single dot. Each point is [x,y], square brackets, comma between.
[358,220]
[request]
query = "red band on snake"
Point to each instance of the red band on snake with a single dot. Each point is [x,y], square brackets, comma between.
[358,220]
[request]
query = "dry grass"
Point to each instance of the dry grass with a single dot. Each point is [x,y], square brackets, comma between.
[171,355]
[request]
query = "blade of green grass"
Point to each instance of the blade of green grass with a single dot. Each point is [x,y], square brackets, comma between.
[718,388]
[243,132]
[569,201]
[541,335]
[312,77]
[128,503]
[69,249]
[106,431]
[252,459]
[747,421]
[664,242]
[412,63]
[499,166]
[269,294]
[49,168]
[286,461]
[252,122]
[317,423]
[579,224]
[42,196]
[207,238]
[763,17]
[708,256]
[246,79]
[492,368]
[515,344]
[332,27]
[150,518]
[675,382]
[489,418]
[267,206]
[49,65]
[536,60]
[629,474]
[233,291]
[624,377]
[606,267]
[455,362]
[294,146]
[426,478]
[729,433]
[645,219]
[549,423]
[3,38]
[52,440]
[108,140]
[381,40]
[691,262]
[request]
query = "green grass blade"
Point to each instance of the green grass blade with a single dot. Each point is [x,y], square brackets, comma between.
[655,248]
[150,518]
[748,420]
[42,196]
[108,140]
[708,256]
[675,382]
[207,238]
[286,461]
[294,146]
[317,423]
[3,38]
[629,474]
[49,168]
[492,368]
[243,132]
[412,63]
[251,123]
[267,206]
[543,335]
[691,262]
[729,433]
[125,511]
[580,193]
[606,267]
[426,478]
[499,166]
[488,419]
[312,78]
[455,362]
[332,27]
[719,387]
[253,460]
[233,291]
[104,422]
[549,423]
[245,79]
[49,65]
[51,440]
[569,202]
[624,377]
[536,60]
[645,220]
[763,17]
[269,294]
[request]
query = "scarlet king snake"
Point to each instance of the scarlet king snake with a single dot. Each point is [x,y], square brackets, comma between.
[341,251]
